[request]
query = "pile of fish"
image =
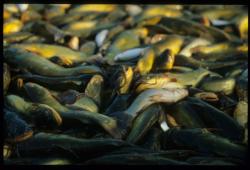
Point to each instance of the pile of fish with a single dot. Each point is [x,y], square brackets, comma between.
[125,84]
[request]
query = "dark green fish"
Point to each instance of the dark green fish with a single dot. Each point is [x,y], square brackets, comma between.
[66,146]
[143,123]
[40,94]
[133,159]
[204,141]
[16,129]
[215,118]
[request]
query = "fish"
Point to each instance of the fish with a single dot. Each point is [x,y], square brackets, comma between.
[181,60]
[94,88]
[187,50]
[143,123]
[158,81]
[120,102]
[117,84]
[133,159]
[53,80]
[199,160]
[241,23]
[225,85]
[68,146]
[145,63]
[206,142]
[182,27]
[42,115]
[212,117]
[40,94]
[16,129]
[240,113]
[12,26]
[164,10]
[225,13]
[88,48]
[42,66]
[183,114]
[85,103]
[142,101]
[124,80]
[124,41]
[93,8]
[65,55]
[152,140]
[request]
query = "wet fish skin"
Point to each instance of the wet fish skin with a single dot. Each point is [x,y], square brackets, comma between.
[152,140]
[119,103]
[42,115]
[215,118]
[181,60]
[205,141]
[16,129]
[85,103]
[145,99]
[124,41]
[124,80]
[42,66]
[43,144]
[225,85]
[40,94]
[94,88]
[143,123]
[133,159]
[66,55]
